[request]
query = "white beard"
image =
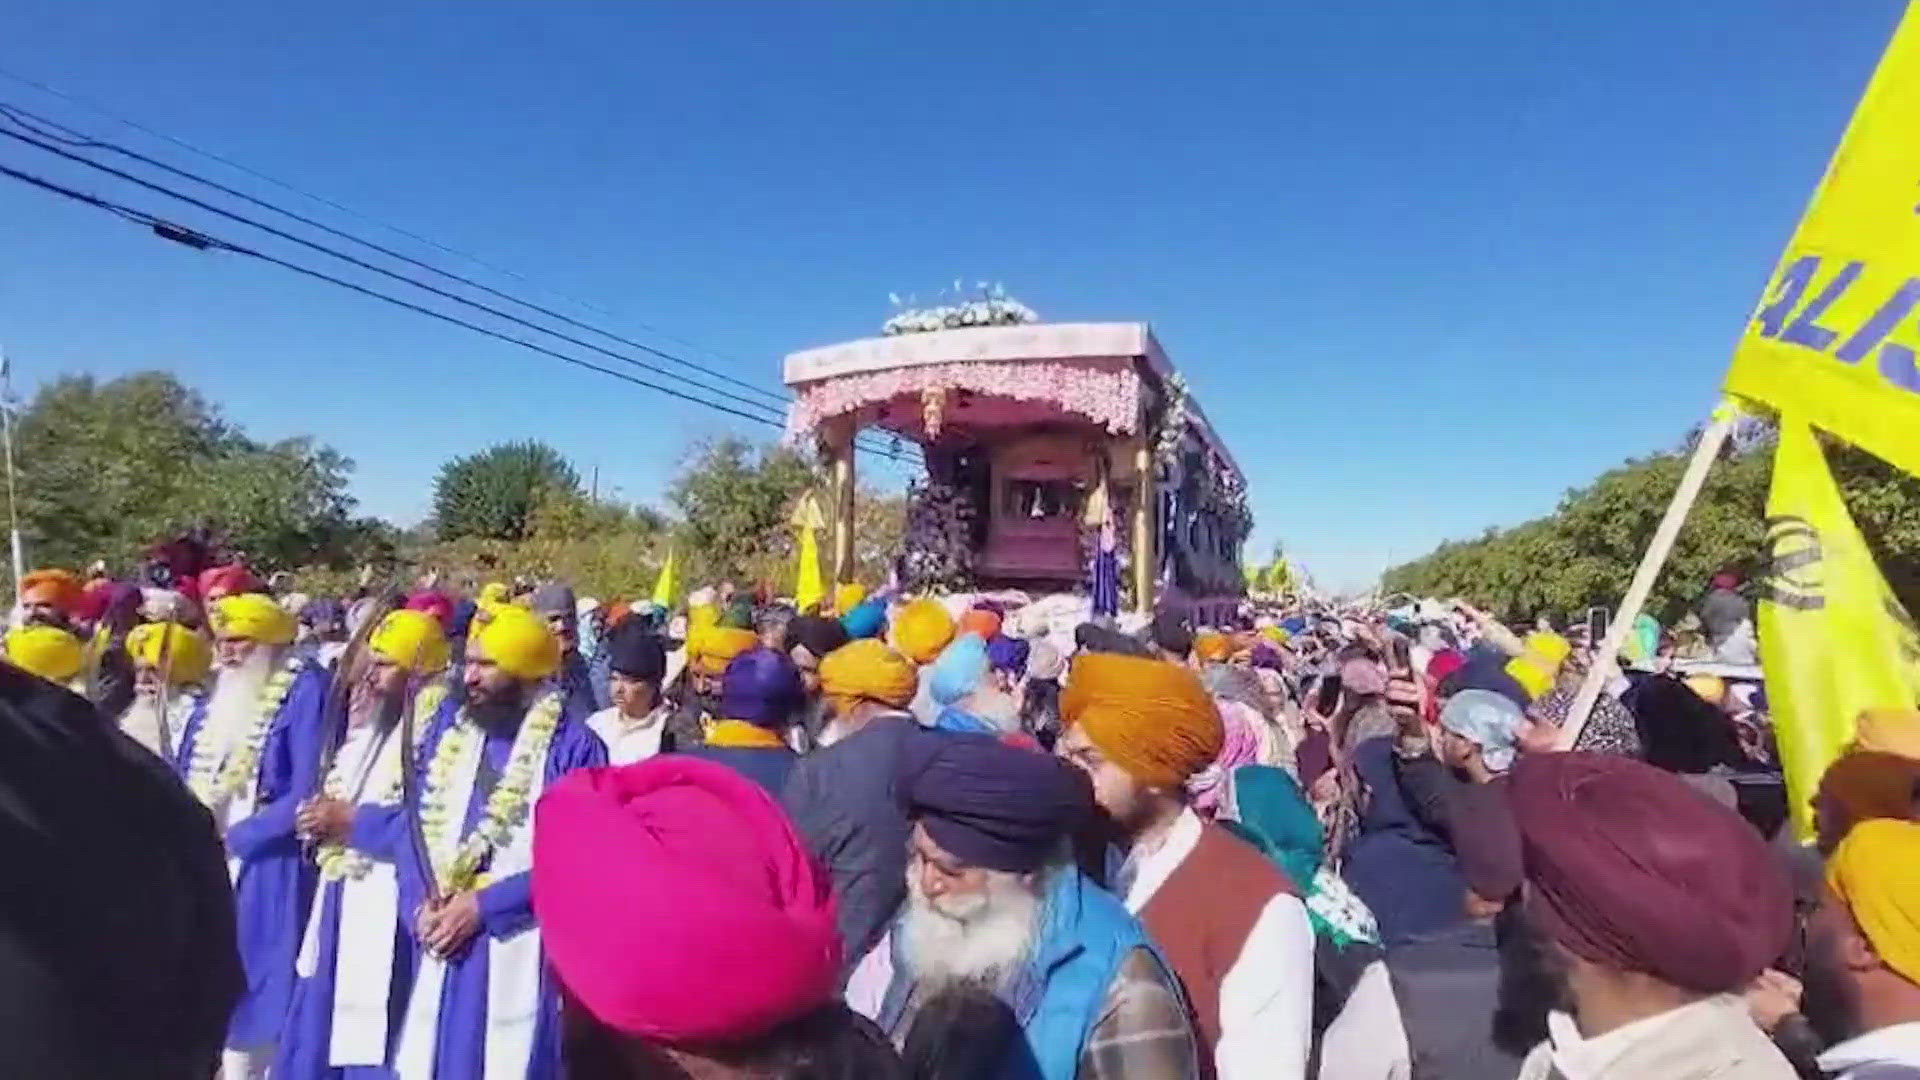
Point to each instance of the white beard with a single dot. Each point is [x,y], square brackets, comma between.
[983,939]
[234,703]
[141,721]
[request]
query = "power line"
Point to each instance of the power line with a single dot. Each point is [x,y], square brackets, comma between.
[102,111]
[202,241]
[52,148]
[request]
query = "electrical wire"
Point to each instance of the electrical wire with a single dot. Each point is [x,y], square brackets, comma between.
[52,147]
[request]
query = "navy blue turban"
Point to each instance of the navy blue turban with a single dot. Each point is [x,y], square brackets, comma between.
[988,803]
[1008,654]
[761,687]
[637,652]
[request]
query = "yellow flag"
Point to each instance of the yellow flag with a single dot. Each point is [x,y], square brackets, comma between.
[1833,639]
[1836,335]
[667,585]
[808,587]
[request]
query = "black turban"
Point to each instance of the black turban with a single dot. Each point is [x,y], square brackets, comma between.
[991,804]
[1173,633]
[636,652]
[819,636]
[1629,867]
[1092,637]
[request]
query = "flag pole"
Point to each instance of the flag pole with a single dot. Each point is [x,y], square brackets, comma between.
[13,500]
[1691,481]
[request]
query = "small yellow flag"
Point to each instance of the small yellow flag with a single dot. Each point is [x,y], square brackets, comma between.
[809,588]
[1833,638]
[668,584]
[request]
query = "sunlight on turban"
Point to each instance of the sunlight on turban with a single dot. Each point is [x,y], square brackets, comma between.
[253,616]
[518,642]
[923,630]
[188,657]
[1150,717]
[711,648]
[411,640]
[46,651]
[1876,873]
[867,670]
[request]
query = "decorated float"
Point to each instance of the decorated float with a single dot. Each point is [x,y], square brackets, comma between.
[1060,457]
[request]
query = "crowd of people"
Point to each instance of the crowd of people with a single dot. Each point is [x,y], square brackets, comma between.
[508,832]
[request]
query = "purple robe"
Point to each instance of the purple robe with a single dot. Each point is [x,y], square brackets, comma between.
[277,878]
[506,906]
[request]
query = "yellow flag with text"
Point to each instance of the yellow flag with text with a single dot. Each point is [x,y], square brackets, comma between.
[1833,639]
[1836,336]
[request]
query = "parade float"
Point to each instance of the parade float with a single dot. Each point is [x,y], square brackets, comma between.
[1060,457]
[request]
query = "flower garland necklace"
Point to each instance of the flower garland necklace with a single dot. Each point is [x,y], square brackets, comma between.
[338,861]
[214,781]
[507,803]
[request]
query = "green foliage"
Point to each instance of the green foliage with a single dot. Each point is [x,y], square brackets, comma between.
[735,500]
[1584,553]
[492,494]
[107,468]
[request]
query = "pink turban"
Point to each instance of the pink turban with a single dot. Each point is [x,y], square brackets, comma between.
[1241,724]
[678,905]
[435,603]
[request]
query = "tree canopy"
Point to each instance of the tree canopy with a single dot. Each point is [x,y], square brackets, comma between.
[108,468]
[1584,553]
[492,494]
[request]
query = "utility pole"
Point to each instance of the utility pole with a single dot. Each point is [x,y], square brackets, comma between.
[13,500]
[593,488]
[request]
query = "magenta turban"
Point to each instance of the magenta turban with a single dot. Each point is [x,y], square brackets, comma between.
[1629,867]
[678,905]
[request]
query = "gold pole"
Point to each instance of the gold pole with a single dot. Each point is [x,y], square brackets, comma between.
[1145,505]
[843,488]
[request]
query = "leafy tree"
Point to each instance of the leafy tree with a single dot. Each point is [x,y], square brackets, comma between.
[492,494]
[107,468]
[735,499]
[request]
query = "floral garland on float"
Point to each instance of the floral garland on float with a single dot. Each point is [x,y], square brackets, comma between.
[992,308]
[939,539]
[214,781]
[507,804]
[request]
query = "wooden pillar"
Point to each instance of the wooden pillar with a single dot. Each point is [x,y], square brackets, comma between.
[841,473]
[1146,505]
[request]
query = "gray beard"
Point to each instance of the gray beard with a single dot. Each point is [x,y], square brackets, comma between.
[234,703]
[983,944]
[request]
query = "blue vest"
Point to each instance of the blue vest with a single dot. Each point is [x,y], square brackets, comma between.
[1057,997]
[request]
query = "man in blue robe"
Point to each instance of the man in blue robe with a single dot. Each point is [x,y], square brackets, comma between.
[249,754]
[481,1004]
[345,1016]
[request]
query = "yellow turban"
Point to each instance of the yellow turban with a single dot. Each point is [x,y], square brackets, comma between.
[1711,689]
[710,649]
[1889,731]
[46,651]
[1876,873]
[518,642]
[848,596]
[1150,717]
[1537,668]
[188,655]
[1276,634]
[867,669]
[923,631]
[1549,647]
[254,616]
[410,639]
[1212,647]
[702,617]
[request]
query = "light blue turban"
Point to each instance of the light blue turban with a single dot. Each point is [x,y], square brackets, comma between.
[1491,721]
[959,671]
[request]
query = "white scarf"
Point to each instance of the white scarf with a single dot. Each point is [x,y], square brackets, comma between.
[513,963]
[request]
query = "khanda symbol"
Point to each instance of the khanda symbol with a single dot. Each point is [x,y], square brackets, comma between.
[1793,564]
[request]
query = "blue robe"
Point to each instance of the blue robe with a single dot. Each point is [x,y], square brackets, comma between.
[276,878]
[506,907]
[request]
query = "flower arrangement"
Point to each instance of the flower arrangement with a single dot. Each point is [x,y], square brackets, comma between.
[993,308]
[507,804]
[939,540]
[214,780]
[1171,435]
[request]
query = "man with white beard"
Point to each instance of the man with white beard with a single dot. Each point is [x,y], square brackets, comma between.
[998,915]
[249,755]
[170,662]
[340,1025]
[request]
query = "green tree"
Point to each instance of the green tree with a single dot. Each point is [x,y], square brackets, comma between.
[735,499]
[492,494]
[107,468]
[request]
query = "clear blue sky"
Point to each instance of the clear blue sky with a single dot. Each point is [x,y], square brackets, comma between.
[1426,265]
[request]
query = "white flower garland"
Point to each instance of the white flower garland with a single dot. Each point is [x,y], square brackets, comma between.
[214,780]
[507,805]
[994,308]
[338,861]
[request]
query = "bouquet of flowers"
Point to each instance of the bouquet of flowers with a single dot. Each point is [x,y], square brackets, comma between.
[993,308]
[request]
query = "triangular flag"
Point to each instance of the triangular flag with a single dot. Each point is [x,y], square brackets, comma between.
[668,584]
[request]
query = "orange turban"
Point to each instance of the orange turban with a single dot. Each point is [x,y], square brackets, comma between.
[46,651]
[188,656]
[710,649]
[868,670]
[981,623]
[1868,784]
[923,631]
[1150,717]
[59,588]
[1876,873]
[1890,731]
[1212,648]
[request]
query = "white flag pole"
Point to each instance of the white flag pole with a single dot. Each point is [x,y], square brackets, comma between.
[1691,481]
[13,500]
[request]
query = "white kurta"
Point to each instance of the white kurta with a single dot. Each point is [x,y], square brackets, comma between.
[1266,997]
[628,741]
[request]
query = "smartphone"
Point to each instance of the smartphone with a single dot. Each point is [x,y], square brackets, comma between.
[1596,626]
[1329,698]
[1402,656]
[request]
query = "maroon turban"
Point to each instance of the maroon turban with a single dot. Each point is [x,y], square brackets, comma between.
[678,905]
[1629,867]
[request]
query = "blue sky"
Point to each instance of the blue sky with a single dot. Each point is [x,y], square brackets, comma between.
[1426,265]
